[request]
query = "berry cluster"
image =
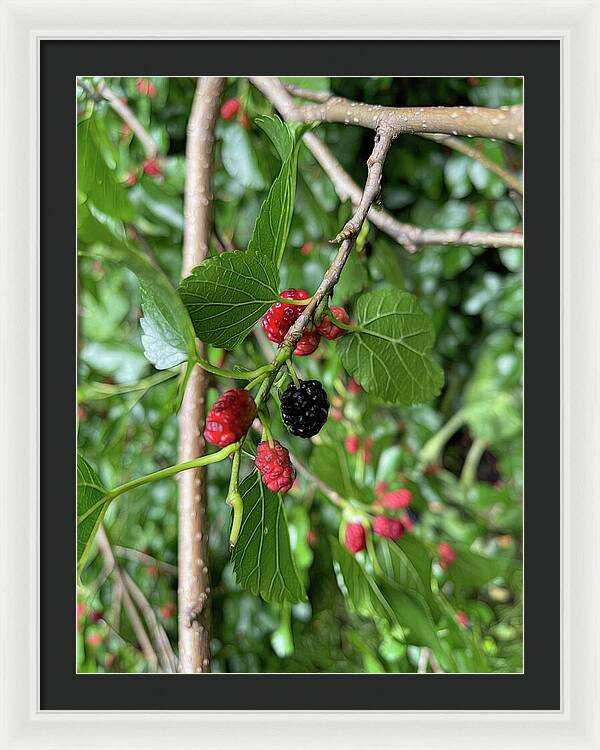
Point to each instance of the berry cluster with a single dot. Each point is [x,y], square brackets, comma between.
[387,526]
[281,316]
[275,466]
[230,108]
[447,555]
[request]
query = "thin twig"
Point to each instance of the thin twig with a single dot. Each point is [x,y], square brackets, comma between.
[510,180]
[505,123]
[194,574]
[330,494]
[166,656]
[144,559]
[132,613]
[412,238]
[127,115]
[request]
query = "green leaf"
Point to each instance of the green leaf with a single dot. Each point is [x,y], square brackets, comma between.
[390,354]
[226,295]
[239,157]
[94,178]
[272,226]
[168,335]
[361,590]
[407,563]
[262,557]
[471,571]
[90,508]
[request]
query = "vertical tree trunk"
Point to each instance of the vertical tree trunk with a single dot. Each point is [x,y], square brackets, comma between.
[194,573]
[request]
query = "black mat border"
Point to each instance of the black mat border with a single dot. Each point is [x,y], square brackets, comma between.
[539,687]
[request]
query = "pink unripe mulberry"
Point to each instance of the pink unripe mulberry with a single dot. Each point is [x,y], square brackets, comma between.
[446,552]
[329,329]
[275,466]
[397,499]
[351,443]
[387,527]
[355,537]
[381,488]
[152,167]
[145,87]
[462,619]
[230,418]
[229,108]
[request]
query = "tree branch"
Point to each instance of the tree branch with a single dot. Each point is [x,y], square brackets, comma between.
[194,575]
[505,123]
[144,559]
[412,238]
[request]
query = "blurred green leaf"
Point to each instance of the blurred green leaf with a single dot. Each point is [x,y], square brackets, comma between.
[239,157]
[94,178]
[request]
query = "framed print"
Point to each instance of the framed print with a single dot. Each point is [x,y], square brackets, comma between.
[297,437]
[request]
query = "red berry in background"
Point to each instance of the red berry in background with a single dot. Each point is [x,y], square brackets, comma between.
[81,609]
[95,615]
[447,554]
[407,522]
[94,639]
[229,108]
[462,619]
[352,443]
[152,167]
[472,81]
[381,488]
[245,120]
[168,610]
[330,330]
[353,387]
[397,499]
[280,317]
[432,470]
[131,179]
[312,538]
[145,87]
[275,466]
[389,528]
[337,415]
[307,248]
[230,418]
[152,571]
[355,537]
[307,344]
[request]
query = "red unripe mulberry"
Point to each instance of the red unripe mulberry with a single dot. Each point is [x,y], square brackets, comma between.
[389,528]
[230,108]
[446,552]
[353,386]
[275,466]
[355,537]
[307,344]
[351,443]
[230,418]
[145,87]
[397,499]
[330,330]
[280,317]
[152,167]
[462,619]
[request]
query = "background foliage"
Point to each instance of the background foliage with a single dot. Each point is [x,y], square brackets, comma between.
[460,455]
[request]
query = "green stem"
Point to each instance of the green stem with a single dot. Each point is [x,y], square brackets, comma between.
[432,449]
[292,372]
[344,326]
[302,302]
[195,463]
[469,471]
[237,505]
[235,472]
[372,554]
[236,374]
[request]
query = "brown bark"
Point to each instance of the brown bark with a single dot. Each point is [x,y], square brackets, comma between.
[193,564]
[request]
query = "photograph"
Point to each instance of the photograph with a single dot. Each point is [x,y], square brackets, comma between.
[299,397]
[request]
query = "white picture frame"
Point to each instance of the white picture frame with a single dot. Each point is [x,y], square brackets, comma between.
[577,25]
